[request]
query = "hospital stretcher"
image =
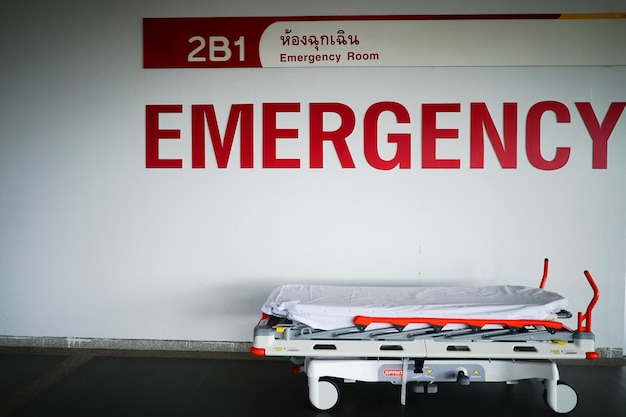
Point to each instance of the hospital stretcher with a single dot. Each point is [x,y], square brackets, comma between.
[418,337]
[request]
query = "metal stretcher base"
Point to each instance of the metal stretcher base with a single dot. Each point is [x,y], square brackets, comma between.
[423,375]
[419,359]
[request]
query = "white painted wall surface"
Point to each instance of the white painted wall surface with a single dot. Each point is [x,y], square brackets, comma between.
[96,245]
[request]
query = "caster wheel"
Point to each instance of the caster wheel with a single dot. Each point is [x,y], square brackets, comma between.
[328,395]
[566,399]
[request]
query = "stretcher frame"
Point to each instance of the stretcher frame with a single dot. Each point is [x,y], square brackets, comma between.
[474,350]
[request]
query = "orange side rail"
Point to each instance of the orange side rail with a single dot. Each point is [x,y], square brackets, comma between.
[404,321]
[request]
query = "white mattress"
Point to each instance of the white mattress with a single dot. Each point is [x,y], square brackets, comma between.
[329,307]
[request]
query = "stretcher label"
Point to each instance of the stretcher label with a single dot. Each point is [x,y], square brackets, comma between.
[393,372]
[433,372]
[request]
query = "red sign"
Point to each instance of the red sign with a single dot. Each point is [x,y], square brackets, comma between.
[231,42]
[396,40]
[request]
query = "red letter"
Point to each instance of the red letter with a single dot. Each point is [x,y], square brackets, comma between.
[370,136]
[507,151]
[154,134]
[338,137]
[600,133]
[533,135]
[221,148]
[271,133]
[430,134]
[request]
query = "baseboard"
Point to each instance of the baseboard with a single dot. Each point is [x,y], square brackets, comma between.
[168,345]
[124,344]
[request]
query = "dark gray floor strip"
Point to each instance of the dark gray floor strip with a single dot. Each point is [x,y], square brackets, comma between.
[46,380]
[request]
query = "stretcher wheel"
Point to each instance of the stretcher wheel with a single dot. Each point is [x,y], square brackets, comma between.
[566,398]
[328,395]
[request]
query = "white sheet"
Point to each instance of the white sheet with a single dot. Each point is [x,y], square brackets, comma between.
[332,307]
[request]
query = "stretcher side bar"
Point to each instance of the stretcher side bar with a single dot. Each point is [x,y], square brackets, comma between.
[354,332]
[441,322]
[578,348]
[528,333]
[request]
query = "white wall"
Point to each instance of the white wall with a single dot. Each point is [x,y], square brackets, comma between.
[96,245]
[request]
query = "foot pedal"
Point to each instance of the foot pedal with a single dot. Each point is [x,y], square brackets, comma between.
[462,379]
[425,388]
[432,388]
[418,388]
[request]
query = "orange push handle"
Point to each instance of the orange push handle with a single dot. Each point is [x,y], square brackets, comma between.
[584,320]
[545,274]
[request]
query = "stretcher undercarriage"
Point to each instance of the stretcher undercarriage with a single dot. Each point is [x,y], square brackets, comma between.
[418,351]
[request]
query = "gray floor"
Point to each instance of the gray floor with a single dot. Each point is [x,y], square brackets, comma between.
[71,382]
